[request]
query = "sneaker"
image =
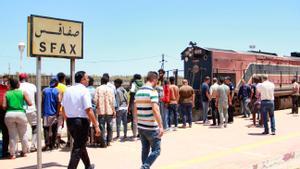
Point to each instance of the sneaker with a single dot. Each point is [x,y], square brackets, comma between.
[175,129]
[265,133]
[92,166]
[23,154]
[273,133]
[33,149]
[12,157]
[225,125]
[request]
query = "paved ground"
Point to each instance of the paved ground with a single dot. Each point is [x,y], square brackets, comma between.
[234,147]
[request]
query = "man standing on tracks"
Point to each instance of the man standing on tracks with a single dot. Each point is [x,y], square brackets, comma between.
[77,109]
[148,118]
[295,96]
[266,90]
[205,98]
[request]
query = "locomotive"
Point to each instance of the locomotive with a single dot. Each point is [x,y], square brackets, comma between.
[201,62]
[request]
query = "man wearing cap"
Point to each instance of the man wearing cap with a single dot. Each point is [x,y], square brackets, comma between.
[50,111]
[30,110]
[77,109]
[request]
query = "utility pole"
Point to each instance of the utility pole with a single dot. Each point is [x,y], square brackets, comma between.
[163,61]
[9,68]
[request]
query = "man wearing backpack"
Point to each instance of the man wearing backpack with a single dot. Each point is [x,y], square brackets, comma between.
[122,99]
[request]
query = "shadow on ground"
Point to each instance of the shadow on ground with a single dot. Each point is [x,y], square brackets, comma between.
[46,165]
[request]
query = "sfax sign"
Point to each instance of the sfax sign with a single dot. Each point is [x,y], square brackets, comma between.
[52,37]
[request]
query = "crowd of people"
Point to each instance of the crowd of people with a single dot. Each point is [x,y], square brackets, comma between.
[152,106]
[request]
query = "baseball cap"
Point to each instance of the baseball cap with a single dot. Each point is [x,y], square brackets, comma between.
[23,76]
[53,81]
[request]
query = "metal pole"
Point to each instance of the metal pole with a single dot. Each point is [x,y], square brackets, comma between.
[72,73]
[21,60]
[39,108]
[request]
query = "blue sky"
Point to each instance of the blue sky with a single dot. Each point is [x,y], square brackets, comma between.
[127,37]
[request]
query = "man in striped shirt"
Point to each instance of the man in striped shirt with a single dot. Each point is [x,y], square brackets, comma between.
[148,118]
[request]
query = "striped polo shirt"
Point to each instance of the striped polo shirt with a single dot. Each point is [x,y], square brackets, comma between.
[144,97]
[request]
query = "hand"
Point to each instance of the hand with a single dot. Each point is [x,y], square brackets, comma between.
[114,114]
[193,105]
[161,132]
[98,132]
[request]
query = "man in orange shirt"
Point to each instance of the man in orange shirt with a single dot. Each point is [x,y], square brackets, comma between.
[174,97]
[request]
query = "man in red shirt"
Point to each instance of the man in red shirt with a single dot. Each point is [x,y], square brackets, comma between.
[3,128]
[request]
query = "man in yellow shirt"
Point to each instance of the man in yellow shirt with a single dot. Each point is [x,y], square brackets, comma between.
[60,121]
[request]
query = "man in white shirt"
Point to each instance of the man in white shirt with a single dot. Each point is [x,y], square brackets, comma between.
[30,110]
[295,96]
[213,90]
[77,109]
[266,90]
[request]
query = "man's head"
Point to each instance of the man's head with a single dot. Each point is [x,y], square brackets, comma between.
[221,80]
[91,81]
[23,77]
[13,83]
[172,80]
[118,82]
[161,73]
[5,79]
[293,80]
[227,80]
[137,77]
[243,81]
[53,82]
[104,80]
[82,77]
[207,79]
[185,82]
[264,77]
[215,80]
[106,75]
[61,77]
[152,77]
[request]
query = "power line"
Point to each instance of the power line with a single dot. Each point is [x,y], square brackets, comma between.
[123,60]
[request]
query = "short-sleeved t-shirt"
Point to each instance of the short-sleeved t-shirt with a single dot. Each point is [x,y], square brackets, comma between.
[144,98]
[204,90]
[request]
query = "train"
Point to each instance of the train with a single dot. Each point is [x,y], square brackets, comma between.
[200,62]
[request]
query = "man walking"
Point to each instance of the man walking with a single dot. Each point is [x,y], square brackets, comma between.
[187,102]
[266,90]
[295,97]
[77,108]
[205,98]
[31,115]
[213,94]
[223,102]
[51,107]
[147,115]
[104,100]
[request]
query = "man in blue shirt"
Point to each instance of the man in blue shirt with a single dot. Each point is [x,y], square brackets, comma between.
[244,96]
[205,98]
[51,106]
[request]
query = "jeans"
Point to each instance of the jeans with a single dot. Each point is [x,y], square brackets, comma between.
[186,110]
[246,109]
[205,110]
[122,117]
[230,113]
[267,107]
[164,114]
[5,136]
[78,128]
[149,139]
[173,113]
[295,104]
[106,120]
[214,112]
[16,123]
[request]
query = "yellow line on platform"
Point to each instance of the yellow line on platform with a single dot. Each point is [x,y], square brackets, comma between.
[238,149]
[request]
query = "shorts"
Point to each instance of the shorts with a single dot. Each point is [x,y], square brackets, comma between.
[32,118]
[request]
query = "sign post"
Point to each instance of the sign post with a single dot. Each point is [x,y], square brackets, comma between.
[57,38]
